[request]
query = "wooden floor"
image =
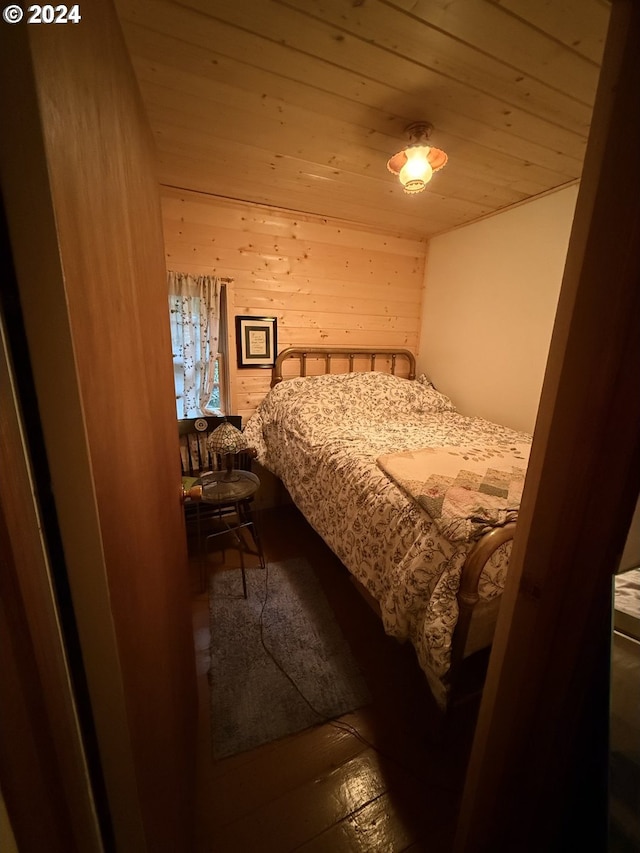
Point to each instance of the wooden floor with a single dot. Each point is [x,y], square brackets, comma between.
[389,782]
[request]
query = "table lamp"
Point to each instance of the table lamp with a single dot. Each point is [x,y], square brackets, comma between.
[227,440]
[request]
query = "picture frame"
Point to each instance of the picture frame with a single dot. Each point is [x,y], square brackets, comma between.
[256,341]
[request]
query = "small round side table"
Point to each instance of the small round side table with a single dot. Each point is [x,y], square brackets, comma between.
[231,500]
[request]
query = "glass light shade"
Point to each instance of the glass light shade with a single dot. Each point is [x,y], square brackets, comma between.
[226,439]
[417,171]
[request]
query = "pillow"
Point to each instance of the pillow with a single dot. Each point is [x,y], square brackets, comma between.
[441,403]
[346,397]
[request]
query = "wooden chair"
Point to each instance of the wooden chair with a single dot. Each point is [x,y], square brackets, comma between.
[197,461]
[195,458]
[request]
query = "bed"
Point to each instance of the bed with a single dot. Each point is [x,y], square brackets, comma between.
[352,435]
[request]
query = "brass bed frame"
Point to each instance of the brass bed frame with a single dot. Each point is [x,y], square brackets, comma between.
[464,640]
[350,354]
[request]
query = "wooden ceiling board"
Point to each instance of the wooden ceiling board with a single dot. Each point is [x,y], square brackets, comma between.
[485,27]
[578,26]
[298,104]
[496,177]
[456,193]
[210,95]
[334,51]
[190,172]
[448,56]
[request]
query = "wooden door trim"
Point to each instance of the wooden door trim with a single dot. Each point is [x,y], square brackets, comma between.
[581,490]
[31,220]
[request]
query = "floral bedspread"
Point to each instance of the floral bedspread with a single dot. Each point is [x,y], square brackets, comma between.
[322,436]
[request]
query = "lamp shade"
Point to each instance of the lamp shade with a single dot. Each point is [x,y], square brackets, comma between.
[417,171]
[417,162]
[226,439]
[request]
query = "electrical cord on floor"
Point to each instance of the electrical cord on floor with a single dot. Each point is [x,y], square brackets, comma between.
[335,723]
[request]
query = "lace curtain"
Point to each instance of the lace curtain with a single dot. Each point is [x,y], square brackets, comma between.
[194,310]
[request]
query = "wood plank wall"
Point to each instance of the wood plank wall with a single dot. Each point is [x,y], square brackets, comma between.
[326,281]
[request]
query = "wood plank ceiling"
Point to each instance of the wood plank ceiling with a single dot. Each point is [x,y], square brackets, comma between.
[300,103]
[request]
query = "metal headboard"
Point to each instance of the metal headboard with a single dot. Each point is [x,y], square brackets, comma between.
[351,353]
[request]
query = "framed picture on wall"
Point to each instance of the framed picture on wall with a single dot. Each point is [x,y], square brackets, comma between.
[256,340]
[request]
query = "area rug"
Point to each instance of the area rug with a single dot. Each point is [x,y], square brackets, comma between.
[253,699]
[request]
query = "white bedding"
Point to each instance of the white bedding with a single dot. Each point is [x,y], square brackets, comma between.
[626,617]
[322,436]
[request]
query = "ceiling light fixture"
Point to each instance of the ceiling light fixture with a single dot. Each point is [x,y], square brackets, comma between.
[416,163]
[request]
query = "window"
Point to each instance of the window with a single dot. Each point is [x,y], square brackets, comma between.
[197,311]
